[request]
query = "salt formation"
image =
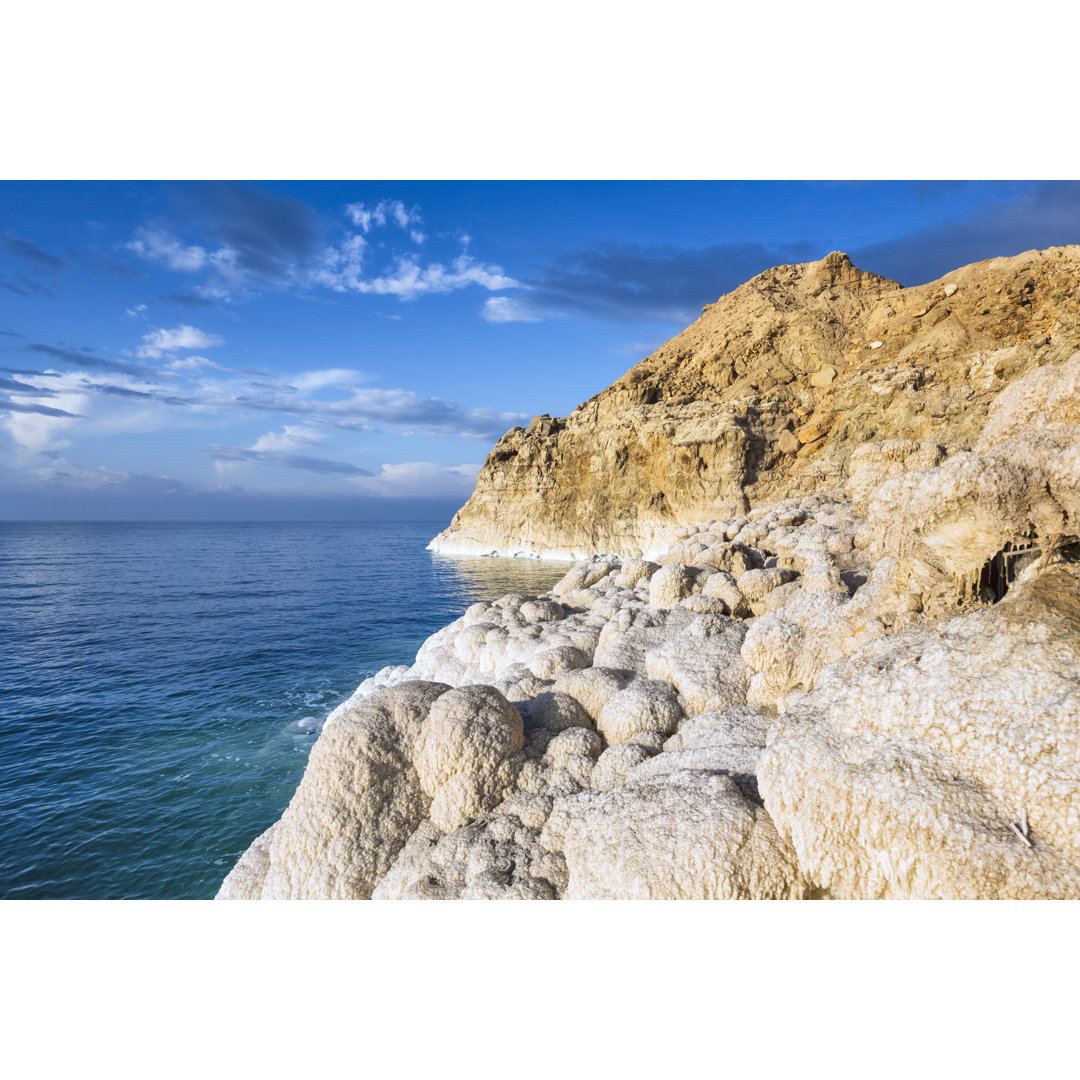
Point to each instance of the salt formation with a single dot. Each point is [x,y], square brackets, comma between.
[942,762]
[867,689]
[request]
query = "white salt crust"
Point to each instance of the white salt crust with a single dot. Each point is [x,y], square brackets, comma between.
[809,700]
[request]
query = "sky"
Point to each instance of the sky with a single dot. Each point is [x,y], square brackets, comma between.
[353,350]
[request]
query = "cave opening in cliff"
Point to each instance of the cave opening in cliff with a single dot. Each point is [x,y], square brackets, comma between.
[999,572]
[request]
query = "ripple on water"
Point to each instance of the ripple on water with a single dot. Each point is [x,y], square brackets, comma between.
[164,682]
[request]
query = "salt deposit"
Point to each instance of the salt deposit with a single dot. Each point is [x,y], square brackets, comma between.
[869,689]
[859,728]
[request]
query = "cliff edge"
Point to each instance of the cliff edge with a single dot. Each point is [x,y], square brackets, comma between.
[767,395]
[869,688]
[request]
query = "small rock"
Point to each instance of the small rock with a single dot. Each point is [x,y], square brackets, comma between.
[950,289]
[788,443]
[810,433]
[825,376]
[877,344]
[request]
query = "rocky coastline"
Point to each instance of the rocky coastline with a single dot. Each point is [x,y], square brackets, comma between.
[823,640]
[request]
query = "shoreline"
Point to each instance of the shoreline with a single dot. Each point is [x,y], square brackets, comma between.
[856,678]
[694,716]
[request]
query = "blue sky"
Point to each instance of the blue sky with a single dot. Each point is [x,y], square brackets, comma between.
[353,350]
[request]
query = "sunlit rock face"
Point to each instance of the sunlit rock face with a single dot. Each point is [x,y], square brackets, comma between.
[769,394]
[866,688]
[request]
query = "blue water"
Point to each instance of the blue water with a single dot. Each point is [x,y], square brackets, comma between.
[161,684]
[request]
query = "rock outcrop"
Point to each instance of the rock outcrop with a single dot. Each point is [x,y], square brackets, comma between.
[767,395]
[867,688]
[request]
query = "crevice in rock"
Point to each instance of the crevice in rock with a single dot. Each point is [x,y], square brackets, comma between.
[1000,571]
[992,581]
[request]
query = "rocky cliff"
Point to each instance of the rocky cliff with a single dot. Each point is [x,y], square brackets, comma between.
[767,395]
[867,688]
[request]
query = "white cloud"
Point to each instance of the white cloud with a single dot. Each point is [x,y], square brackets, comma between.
[135,312]
[507,309]
[226,458]
[192,363]
[34,433]
[420,479]
[372,408]
[342,268]
[290,437]
[408,279]
[192,392]
[180,337]
[337,377]
[160,247]
[61,473]
[352,262]
[366,217]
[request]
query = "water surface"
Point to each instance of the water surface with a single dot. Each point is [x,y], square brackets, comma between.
[162,683]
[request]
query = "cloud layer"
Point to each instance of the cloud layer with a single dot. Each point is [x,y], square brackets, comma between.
[242,240]
[159,342]
[106,396]
[639,283]
[1045,215]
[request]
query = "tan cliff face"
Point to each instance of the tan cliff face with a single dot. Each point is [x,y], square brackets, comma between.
[768,394]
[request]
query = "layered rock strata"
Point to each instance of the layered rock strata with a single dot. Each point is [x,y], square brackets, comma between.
[766,396]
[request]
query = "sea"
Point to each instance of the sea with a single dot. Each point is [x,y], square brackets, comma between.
[161,684]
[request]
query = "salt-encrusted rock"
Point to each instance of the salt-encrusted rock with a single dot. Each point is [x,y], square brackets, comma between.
[723,586]
[653,741]
[550,713]
[871,465]
[687,834]
[535,611]
[734,558]
[704,664]
[465,754]
[670,584]
[358,802]
[755,585]
[615,765]
[945,761]
[518,684]
[592,687]
[727,740]
[574,742]
[551,663]
[581,576]
[498,858]
[636,629]
[778,598]
[1035,424]
[740,725]
[770,650]
[705,605]
[961,514]
[384,677]
[645,705]
[634,571]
